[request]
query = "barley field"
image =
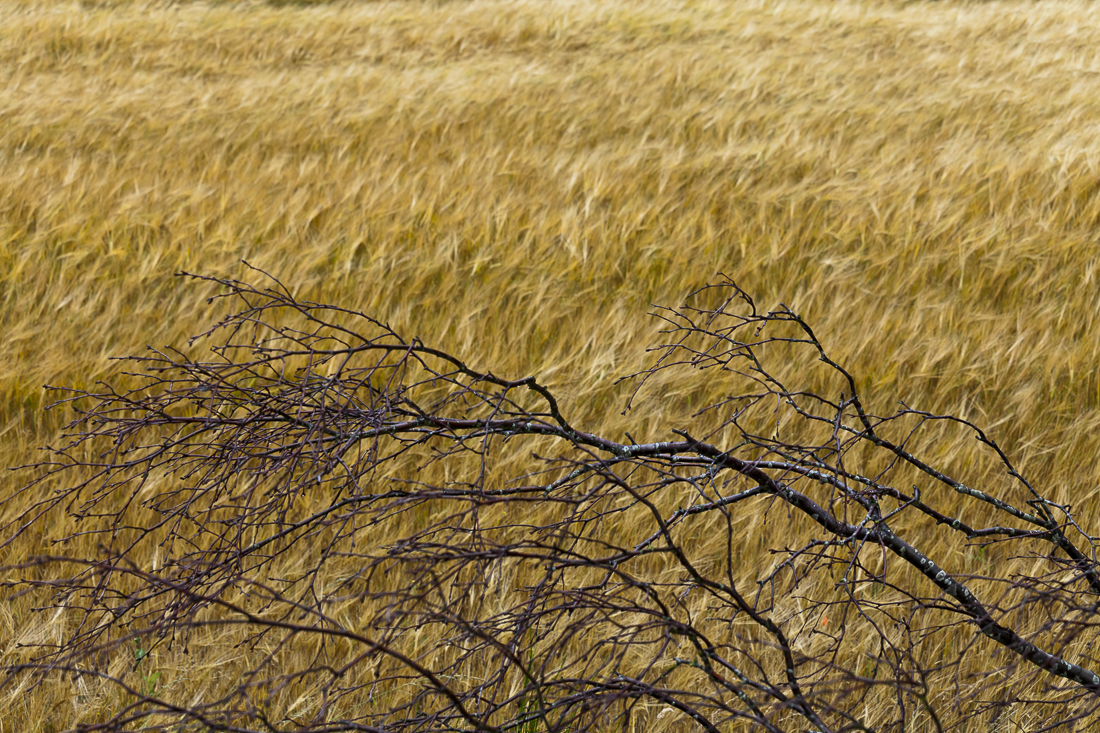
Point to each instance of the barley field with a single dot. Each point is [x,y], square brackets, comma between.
[517,182]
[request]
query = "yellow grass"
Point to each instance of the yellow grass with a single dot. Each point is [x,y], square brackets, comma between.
[517,181]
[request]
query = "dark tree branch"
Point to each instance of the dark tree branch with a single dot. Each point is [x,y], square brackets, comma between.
[300,470]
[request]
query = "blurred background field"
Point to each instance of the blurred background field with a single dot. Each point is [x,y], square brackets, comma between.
[518,181]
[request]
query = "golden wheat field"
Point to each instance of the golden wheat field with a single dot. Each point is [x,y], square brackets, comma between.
[517,182]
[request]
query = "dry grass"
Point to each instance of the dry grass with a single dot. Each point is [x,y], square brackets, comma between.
[517,181]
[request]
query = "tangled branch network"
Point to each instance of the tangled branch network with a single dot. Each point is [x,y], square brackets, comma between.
[401,542]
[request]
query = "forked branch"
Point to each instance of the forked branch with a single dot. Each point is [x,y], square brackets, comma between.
[368,511]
